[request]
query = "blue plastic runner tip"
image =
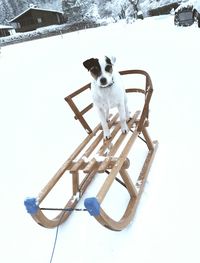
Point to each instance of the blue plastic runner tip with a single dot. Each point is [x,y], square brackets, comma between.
[31,205]
[92,205]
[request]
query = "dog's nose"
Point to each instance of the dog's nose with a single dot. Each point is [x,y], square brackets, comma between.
[103,81]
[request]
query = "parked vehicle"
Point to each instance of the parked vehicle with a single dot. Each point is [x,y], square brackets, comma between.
[187,13]
[196,13]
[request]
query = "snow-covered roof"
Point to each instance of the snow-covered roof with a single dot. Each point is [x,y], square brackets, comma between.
[197,5]
[190,4]
[5,27]
[35,8]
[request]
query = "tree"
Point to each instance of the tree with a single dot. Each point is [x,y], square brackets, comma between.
[134,3]
[67,8]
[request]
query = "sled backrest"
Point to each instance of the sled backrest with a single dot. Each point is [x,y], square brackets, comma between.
[147,91]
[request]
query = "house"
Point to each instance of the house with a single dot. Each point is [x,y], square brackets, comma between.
[163,10]
[6,30]
[34,17]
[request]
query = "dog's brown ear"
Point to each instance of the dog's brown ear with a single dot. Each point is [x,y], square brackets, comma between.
[89,63]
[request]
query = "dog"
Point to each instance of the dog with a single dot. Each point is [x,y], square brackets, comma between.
[107,92]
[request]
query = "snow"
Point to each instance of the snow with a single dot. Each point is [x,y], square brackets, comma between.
[38,133]
[5,27]
[195,4]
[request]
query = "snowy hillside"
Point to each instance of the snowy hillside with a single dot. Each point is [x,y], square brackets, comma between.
[38,133]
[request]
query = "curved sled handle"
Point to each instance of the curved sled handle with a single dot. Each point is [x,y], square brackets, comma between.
[148,93]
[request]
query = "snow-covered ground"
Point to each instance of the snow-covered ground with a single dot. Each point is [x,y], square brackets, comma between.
[38,133]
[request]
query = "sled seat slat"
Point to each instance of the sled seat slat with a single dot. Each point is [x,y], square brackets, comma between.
[97,162]
[117,144]
[107,150]
[92,147]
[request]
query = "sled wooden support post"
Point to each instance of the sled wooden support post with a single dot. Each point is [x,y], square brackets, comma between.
[95,156]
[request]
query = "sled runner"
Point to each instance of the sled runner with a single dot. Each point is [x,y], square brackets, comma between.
[95,156]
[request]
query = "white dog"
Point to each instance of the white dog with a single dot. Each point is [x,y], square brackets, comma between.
[107,92]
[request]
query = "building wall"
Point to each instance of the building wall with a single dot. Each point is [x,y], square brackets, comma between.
[4,32]
[163,10]
[37,18]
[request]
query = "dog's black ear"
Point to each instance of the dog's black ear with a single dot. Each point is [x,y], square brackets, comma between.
[111,60]
[89,63]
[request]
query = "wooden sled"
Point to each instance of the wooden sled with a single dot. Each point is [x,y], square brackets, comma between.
[94,156]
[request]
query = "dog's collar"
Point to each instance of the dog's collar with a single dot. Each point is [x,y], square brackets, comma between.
[108,86]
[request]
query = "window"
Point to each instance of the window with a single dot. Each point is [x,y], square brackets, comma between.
[39,20]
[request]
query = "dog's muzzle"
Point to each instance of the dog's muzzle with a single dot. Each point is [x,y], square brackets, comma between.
[106,85]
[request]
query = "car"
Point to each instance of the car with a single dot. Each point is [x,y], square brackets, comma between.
[187,13]
[196,14]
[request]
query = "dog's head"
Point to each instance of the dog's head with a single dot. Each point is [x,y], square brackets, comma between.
[101,70]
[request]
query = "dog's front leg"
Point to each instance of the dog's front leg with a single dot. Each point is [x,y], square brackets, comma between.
[128,116]
[107,115]
[122,116]
[104,123]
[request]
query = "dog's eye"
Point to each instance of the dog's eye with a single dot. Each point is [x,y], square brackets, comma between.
[95,71]
[108,68]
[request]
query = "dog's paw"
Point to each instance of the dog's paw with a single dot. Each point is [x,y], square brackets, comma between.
[107,135]
[125,129]
[107,138]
